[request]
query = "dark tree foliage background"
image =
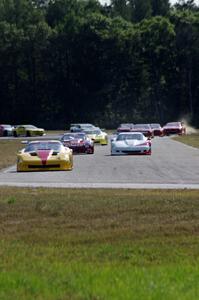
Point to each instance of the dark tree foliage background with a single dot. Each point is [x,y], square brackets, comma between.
[66,61]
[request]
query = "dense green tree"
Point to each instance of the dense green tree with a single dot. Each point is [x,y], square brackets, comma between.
[11,40]
[140,9]
[160,7]
[58,10]
[186,5]
[19,12]
[158,38]
[76,60]
[187,60]
[121,8]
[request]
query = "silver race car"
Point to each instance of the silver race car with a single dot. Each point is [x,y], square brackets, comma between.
[130,143]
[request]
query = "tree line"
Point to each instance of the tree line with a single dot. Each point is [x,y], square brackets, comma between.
[66,61]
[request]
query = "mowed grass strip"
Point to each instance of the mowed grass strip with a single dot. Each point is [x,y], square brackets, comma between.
[99,244]
[8,152]
[189,139]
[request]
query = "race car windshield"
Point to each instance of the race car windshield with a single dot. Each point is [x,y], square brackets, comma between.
[97,132]
[155,125]
[43,146]
[173,124]
[30,127]
[123,137]
[68,137]
[86,126]
[126,125]
[80,136]
[142,126]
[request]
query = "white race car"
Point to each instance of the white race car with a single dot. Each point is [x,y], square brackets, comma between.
[130,143]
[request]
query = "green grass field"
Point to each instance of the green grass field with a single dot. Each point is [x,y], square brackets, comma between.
[99,244]
[189,139]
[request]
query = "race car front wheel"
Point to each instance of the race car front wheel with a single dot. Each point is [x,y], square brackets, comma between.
[90,151]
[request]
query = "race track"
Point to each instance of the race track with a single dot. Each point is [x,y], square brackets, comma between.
[171,165]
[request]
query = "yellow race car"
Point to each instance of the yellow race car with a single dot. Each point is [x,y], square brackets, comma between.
[97,135]
[45,155]
[27,130]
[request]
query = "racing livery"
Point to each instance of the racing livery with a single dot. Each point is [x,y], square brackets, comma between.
[79,127]
[125,127]
[143,128]
[97,135]
[27,130]
[157,129]
[78,142]
[174,128]
[45,155]
[128,143]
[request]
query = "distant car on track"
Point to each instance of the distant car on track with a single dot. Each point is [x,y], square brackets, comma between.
[97,135]
[174,128]
[27,130]
[129,143]
[125,127]
[6,130]
[157,129]
[78,142]
[143,128]
[79,127]
[44,155]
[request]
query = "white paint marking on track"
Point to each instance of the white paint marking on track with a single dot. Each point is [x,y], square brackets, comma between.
[102,185]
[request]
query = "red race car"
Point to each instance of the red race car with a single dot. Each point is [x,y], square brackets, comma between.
[78,142]
[125,127]
[174,128]
[143,128]
[157,129]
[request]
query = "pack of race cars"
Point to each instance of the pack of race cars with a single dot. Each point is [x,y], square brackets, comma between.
[20,130]
[129,139]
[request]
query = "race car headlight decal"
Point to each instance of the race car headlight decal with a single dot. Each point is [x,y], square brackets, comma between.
[33,154]
[55,153]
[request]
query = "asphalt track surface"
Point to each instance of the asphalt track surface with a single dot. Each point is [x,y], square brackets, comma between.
[172,165]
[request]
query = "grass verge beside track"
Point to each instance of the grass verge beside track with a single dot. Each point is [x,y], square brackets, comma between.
[57,132]
[99,244]
[190,139]
[8,152]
